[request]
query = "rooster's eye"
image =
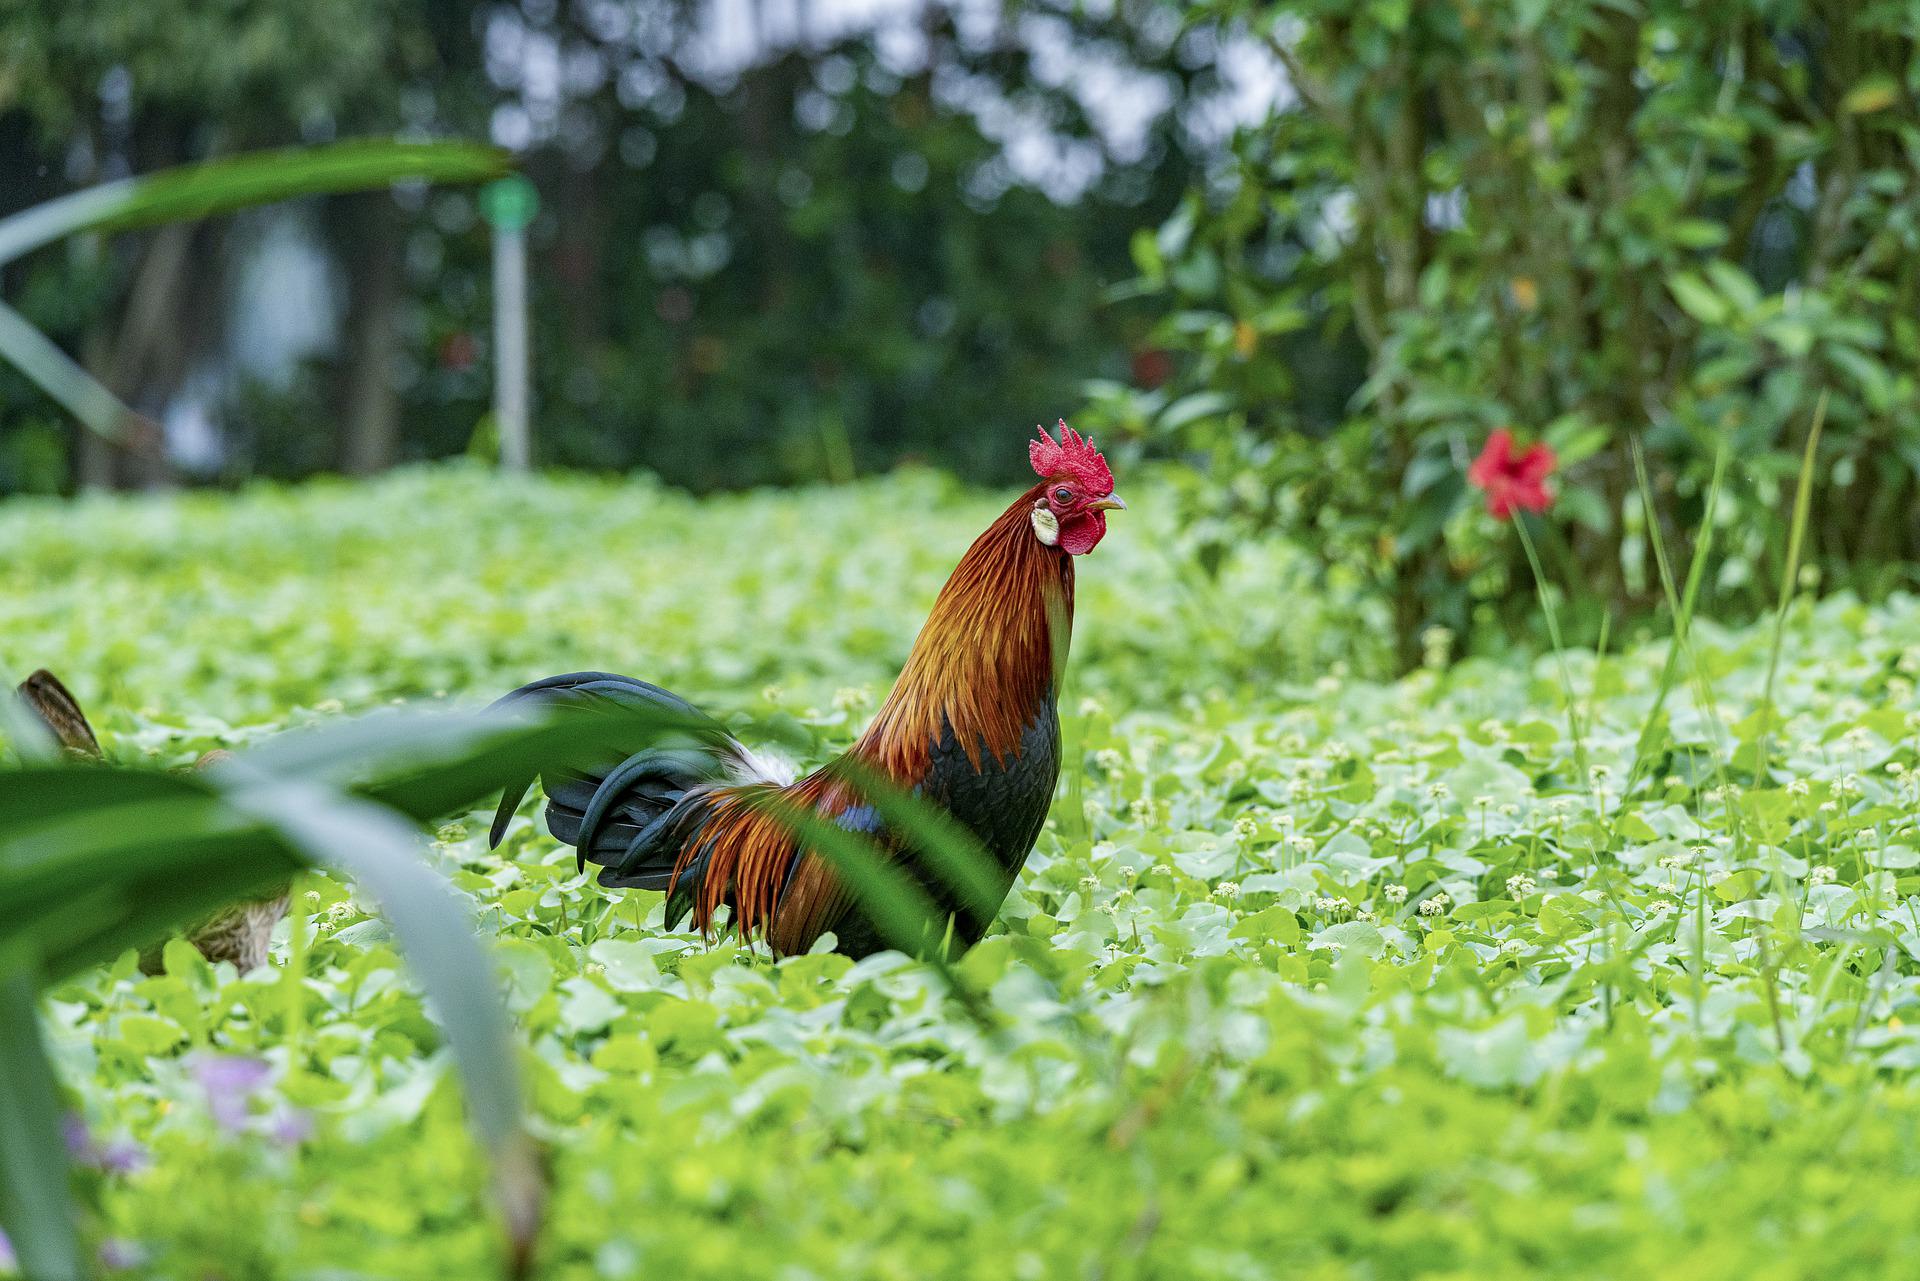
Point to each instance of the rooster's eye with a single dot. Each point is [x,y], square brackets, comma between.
[1063,495]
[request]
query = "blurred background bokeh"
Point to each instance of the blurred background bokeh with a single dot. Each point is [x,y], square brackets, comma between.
[1312,250]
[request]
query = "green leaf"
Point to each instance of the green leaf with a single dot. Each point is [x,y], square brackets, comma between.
[1875,93]
[435,934]
[1698,299]
[73,388]
[240,182]
[35,1208]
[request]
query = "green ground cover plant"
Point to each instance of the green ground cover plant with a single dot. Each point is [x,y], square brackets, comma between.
[1309,976]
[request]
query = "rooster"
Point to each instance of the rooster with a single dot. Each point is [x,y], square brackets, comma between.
[971,726]
[241,933]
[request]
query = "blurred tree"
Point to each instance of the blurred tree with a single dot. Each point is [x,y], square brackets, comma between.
[98,91]
[1595,221]
[808,256]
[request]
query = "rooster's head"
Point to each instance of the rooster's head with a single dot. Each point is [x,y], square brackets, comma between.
[1071,509]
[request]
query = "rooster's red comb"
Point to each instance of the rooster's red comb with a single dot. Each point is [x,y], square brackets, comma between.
[1072,455]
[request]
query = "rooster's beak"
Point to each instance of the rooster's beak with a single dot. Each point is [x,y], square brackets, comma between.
[1111,503]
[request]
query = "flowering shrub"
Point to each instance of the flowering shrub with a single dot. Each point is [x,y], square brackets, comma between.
[1668,222]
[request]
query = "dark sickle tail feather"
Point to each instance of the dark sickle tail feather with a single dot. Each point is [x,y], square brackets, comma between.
[627,814]
[49,700]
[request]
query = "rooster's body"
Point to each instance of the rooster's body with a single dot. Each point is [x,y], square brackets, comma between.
[971,726]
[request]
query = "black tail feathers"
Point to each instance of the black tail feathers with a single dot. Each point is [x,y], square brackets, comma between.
[626,814]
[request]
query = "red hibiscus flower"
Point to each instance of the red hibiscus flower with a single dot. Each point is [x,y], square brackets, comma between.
[1513,482]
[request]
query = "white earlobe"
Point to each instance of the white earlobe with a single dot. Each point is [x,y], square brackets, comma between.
[1046,527]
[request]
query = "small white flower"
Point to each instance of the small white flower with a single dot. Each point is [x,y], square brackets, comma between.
[1509,810]
[1822,875]
[1109,760]
[1436,905]
[1798,787]
[1245,827]
[1090,707]
[1674,780]
[1438,791]
[1394,893]
[850,698]
[1227,889]
[1141,811]
[1330,906]
[1520,885]
[1088,884]
[1660,907]
[1829,808]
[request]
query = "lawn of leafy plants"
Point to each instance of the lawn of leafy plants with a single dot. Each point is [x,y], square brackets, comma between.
[1310,976]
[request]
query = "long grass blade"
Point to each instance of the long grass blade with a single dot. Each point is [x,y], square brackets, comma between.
[36,1208]
[903,913]
[948,850]
[71,387]
[1790,572]
[1680,605]
[380,853]
[223,186]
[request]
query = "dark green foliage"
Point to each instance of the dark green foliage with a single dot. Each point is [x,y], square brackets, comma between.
[811,268]
[1592,221]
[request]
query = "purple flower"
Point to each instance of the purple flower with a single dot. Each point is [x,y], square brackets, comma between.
[231,1083]
[117,1254]
[73,1128]
[7,1261]
[117,1156]
[290,1127]
[122,1156]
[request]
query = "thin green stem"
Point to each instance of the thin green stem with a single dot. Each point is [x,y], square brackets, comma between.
[1559,650]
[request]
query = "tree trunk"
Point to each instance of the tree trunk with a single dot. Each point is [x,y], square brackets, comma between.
[370,405]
